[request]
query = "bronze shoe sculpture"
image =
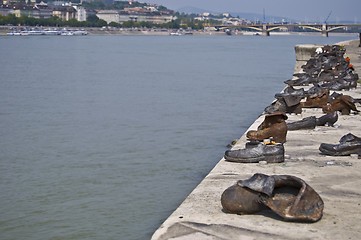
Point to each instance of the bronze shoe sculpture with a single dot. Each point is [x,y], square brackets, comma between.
[327,119]
[303,80]
[316,100]
[294,200]
[343,103]
[291,91]
[349,144]
[288,104]
[339,85]
[257,152]
[311,122]
[305,123]
[287,196]
[274,126]
[241,200]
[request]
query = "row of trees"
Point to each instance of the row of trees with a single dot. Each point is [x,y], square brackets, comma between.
[11,19]
[94,21]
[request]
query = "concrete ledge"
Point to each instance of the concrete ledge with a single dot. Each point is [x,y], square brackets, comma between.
[303,53]
[336,179]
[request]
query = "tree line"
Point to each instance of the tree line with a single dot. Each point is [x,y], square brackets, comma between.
[53,21]
[94,21]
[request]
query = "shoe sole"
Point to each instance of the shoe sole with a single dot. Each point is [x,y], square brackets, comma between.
[343,153]
[244,160]
[268,159]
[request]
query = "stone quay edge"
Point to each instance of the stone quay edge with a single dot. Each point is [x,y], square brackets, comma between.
[337,179]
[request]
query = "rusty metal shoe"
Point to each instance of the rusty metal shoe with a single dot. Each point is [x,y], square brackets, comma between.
[342,103]
[241,200]
[349,144]
[293,199]
[316,100]
[273,126]
[287,196]
[254,154]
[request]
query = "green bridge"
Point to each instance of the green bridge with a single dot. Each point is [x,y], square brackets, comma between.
[265,29]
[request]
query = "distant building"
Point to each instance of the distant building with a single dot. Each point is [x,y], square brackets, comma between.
[36,11]
[6,10]
[136,10]
[81,13]
[109,15]
[44,11]
[23,10]
[135,15]
[64,13]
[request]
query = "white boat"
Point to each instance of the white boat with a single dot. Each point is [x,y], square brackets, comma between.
[80,32]
[66,33]
[36,32]
[176,34]
[48,32]
[13,33]
[51,32]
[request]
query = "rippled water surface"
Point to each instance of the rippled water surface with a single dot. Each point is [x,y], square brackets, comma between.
[102,137]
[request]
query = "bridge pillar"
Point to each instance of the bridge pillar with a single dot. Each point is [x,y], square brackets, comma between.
[264,30]
[324,30]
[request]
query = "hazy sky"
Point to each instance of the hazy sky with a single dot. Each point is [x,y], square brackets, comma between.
[304,10]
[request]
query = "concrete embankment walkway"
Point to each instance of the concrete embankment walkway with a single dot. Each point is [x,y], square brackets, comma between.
[336,179]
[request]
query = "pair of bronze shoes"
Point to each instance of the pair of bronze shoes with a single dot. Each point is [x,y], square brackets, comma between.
[273,127]
[311,122]
[288,196]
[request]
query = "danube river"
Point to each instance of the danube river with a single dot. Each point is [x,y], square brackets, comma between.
[102,137]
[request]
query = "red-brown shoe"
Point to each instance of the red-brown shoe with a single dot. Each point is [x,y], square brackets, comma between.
[317,100]
[274,126]
[343,103]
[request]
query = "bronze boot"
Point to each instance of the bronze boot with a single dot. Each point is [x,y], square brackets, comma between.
[294,200]
[273,126]
[241,200]
[317,100]
[343,103]
[288,196]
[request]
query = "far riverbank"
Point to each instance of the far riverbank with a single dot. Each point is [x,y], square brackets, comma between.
[164,32]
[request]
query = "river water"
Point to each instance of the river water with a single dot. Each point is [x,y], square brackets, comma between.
[102,137]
